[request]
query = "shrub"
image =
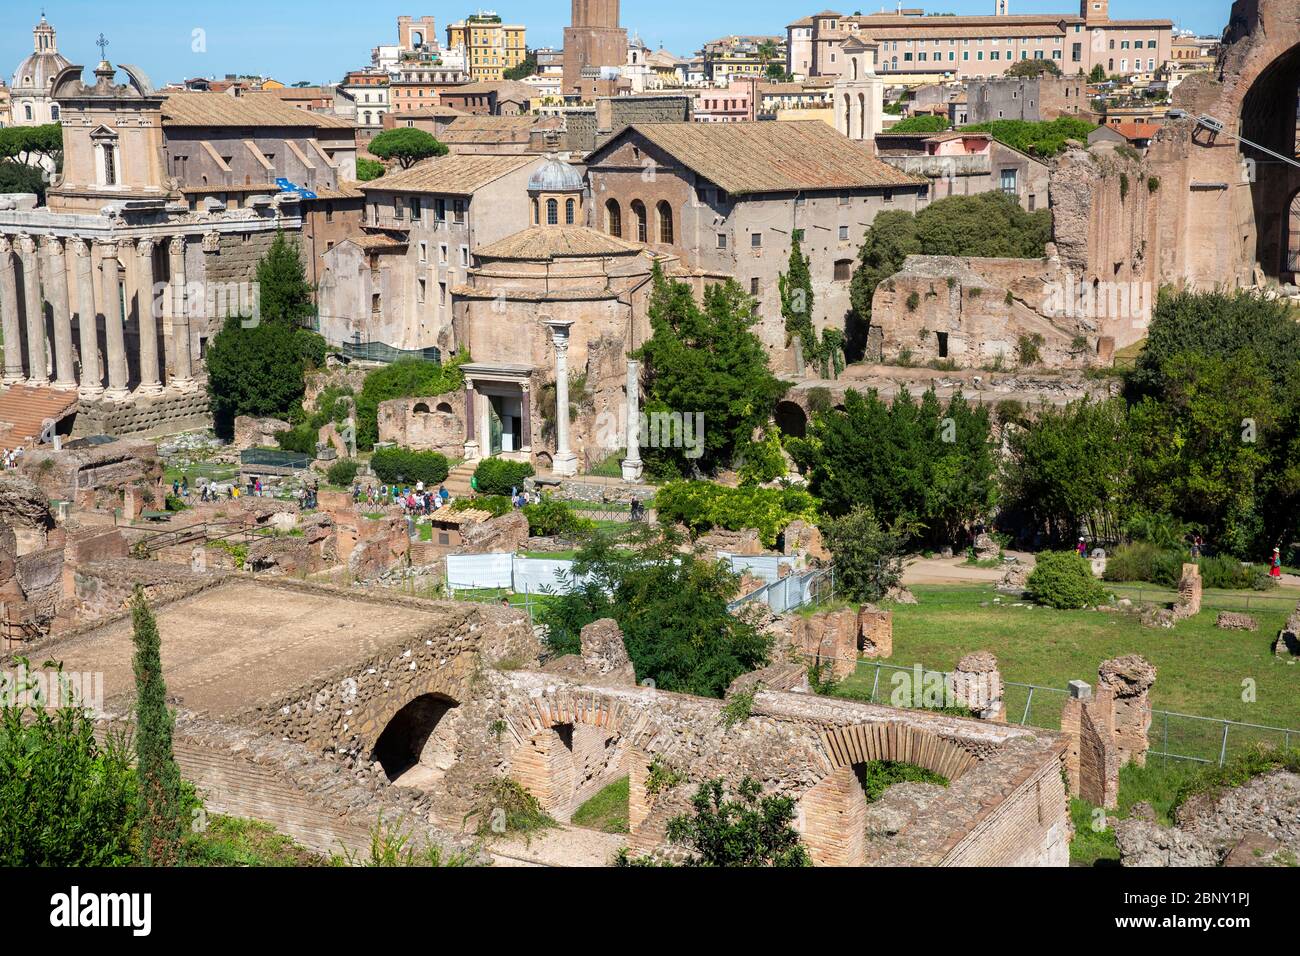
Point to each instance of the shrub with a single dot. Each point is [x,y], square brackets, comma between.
[407,378]
[868,557]
[342,472]
[703,506]
[1225,571]
[762,460]
[405,465]
[504,807]
[1144,561]
[1062,579]
[496,476]
[551,518]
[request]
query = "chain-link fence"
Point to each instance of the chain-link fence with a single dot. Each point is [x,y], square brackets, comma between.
[1172,736]
[1213,601]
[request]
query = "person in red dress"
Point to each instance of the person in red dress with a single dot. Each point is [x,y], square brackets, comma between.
[1276,570]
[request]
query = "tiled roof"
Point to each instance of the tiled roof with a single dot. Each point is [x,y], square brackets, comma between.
[218,109]
[557,242]
[456,174]
[1137,130]
[373,242]
[345,190]
[771,156]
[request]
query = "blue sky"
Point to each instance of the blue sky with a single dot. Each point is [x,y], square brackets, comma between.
[319,40]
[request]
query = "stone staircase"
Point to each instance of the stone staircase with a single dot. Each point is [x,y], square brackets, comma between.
[24,410]
[457,482]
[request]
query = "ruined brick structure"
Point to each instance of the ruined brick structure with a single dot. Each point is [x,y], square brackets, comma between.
[1108,729]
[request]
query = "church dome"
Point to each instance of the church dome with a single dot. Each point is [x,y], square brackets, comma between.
[37,72]
[555,176]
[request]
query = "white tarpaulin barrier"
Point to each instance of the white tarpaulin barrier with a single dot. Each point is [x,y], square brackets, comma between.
[471,571]
[762,566]
[541,575]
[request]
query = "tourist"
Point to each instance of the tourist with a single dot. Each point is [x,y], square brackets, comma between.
[1276,570]
[442,493]
[1083,548]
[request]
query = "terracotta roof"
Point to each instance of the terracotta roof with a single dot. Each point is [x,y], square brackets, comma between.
[218,109]
[771,157]
[457,174]
[429,111]
[375,243]
[557,242]
[346,190]
[1133,131]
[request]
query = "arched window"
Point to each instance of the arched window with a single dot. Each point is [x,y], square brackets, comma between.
[54,113]
[569,206]
[638,212]
[665,213]
[536,220]
[28,111]
[552,212]
[614,218]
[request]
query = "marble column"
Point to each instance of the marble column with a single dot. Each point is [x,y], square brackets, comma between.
[91,386]
[184,376]
[10,315]
[37,357]
[471,441]
[525,417]
[632,468]
[565,462]
[150,383]
[56,291]
[114,331]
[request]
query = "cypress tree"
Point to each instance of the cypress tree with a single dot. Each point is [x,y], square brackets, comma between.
[284,293]
[160,789]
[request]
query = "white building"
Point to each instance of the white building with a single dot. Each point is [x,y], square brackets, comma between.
[30,91]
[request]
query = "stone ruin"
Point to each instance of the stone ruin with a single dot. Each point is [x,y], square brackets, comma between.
[976,683]
[1109,728]
[1255,824]
[1287,644]
[837,638]
[1186,605]
[1235,621]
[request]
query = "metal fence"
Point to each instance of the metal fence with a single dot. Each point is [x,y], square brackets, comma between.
[380,352]
[1172,736]
[793,591]
[1215,601]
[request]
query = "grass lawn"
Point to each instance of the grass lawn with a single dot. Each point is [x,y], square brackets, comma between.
[1201,669]
[606,811]
[233,841]
[214,471]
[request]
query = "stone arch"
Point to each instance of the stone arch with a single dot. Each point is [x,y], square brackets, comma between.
[420,408]
[568,748]
[791,418]
[1268,118]
[639,215]
[444,408]
[861,743]
[413,731]
[613,218]
[833,814]
[664,213]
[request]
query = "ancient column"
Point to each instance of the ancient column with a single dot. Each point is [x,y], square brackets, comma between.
[471,439]
[525,417]
[150,383]
[92,376]
[10,315]
[183,377]
[114,333]
[632,468]
[37,358]
[56,291]
[565,462]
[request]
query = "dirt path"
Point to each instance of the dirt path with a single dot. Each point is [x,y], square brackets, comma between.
[955,571]
[562,846]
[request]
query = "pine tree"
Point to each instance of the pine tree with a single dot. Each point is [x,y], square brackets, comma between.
[283,290]
[161,792]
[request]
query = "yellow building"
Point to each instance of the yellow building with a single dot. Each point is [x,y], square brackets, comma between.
[491,47]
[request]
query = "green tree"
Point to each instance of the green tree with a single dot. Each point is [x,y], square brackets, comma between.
[752,829]
[406,378]
[989,224]
[255,370]
[868,557]
[368,169]
[284,294]
[161,792]
[526,67]
[66,800]
[672,609]
[19,178]
[1097,74]
[1033,68]
[1046,138]
[706,360]
[796,290]
[1063,580]
[406,145]
[1069,468]
[923,468]
[28,144]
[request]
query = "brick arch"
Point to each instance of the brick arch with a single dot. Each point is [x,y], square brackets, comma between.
[369,720]
[548,711]
[860,743]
